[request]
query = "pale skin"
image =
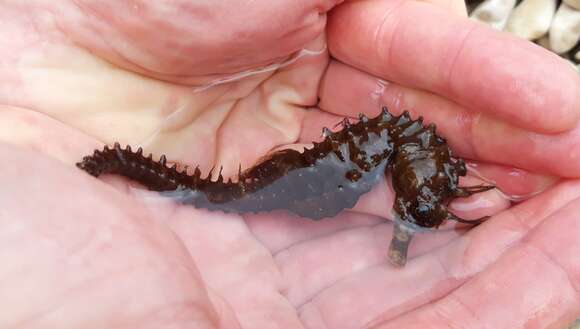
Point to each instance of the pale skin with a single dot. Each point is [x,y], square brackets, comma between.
[80,252]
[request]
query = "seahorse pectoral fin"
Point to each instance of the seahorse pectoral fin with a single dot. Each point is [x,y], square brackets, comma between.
[402,236]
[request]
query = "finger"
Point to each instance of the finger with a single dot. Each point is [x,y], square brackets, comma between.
[551,252]
[359,299]
[456,7]
[346,90]
[200,41]
[418,45]
[517,184]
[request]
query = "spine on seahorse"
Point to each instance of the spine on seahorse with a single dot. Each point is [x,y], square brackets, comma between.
[153,174]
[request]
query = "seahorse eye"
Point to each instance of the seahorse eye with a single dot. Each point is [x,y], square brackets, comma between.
[423,209]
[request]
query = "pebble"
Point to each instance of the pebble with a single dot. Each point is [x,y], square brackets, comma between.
[565,29]
[531,18]
[544,42]
[573,3]
[494,12]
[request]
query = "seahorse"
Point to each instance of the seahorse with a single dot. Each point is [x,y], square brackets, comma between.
[322,181]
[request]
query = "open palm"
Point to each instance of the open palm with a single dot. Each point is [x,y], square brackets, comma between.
[223,85]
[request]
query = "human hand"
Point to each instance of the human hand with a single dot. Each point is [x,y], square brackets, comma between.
[497,100]
[99,259]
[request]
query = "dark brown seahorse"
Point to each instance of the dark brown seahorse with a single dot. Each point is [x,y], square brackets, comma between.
[322,181]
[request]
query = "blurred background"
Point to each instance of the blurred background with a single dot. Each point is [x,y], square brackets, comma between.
[552,24]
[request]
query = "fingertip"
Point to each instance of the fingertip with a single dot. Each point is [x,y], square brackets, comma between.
[481,69]
[514,80]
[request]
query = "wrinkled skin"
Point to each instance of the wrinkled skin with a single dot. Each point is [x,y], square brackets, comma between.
[78,252]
